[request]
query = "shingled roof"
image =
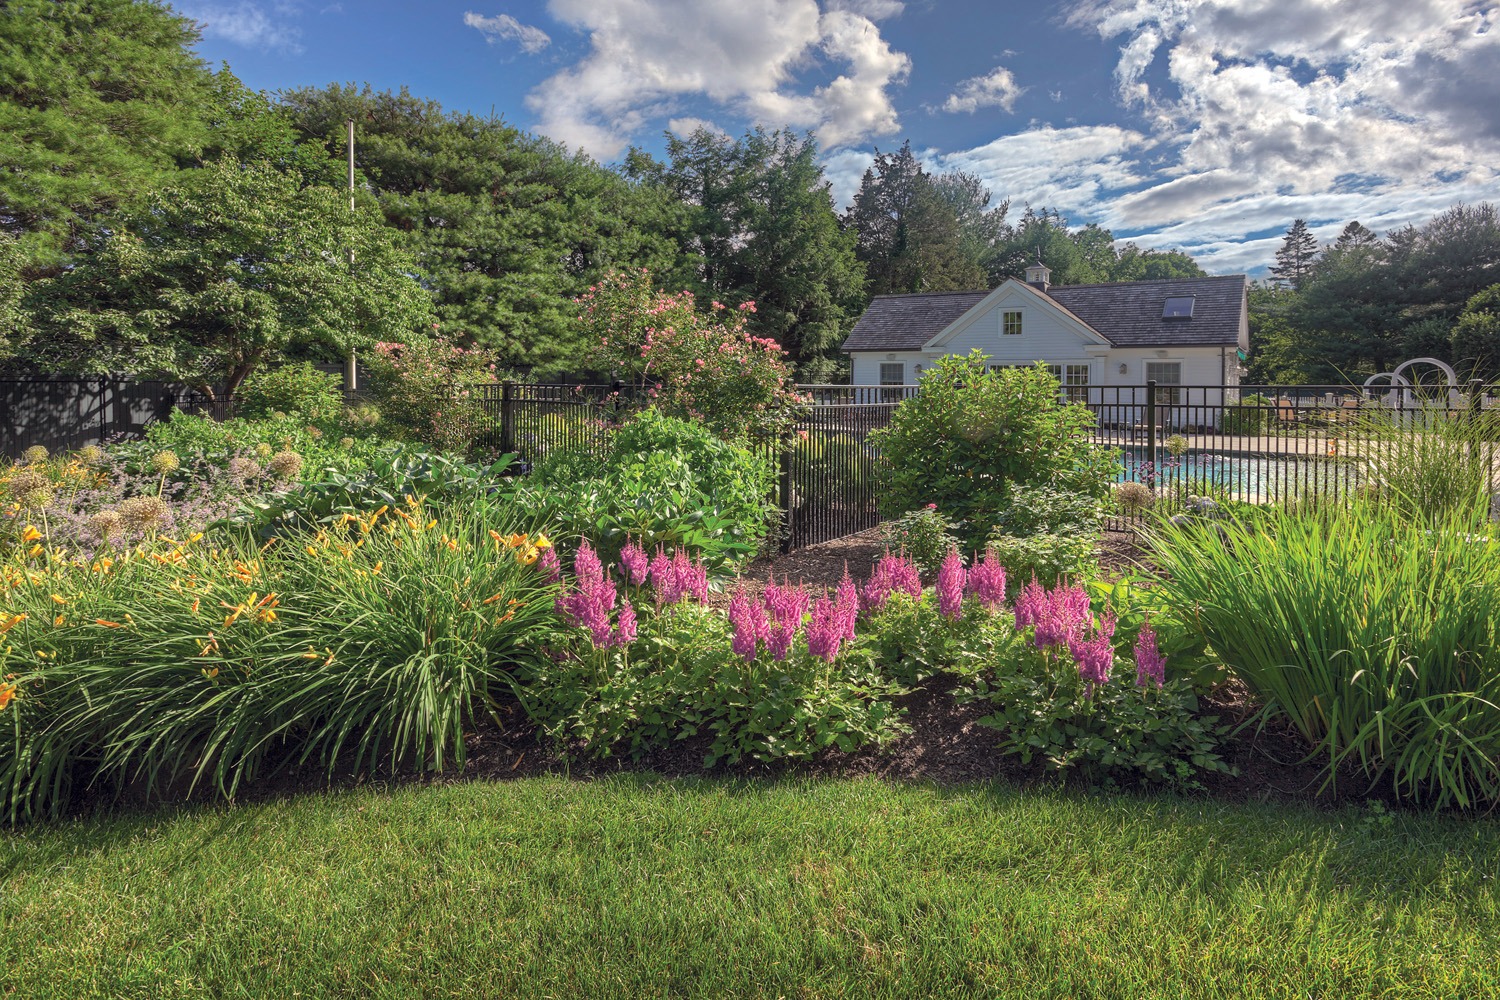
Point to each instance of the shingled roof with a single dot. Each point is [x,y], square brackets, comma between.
[1126,313]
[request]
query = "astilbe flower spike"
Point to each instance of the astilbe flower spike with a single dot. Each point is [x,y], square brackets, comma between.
[825,631]
[549,566]
[635,565]
[987,581]
[785,605]
[1150,665]
[748,618]
[846,600]
[589,603]
[625,631]
[950,585]
[1094,656]
[893,574]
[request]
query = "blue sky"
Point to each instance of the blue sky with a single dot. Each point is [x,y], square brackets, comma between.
[1201,125]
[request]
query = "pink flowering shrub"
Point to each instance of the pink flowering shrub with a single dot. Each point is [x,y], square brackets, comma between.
[702,365]
[1066,703]
[429,389]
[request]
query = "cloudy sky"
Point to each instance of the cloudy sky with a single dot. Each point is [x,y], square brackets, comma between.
[1201,125]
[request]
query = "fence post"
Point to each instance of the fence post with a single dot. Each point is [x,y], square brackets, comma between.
[1151,429]
[103,400]
[507,418]
[784,487]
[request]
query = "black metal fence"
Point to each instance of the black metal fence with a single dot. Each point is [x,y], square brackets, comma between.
[63,413]
[1259,444]
[830,472]
[1276,443]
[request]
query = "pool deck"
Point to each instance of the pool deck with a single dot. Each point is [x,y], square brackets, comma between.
[1249,445]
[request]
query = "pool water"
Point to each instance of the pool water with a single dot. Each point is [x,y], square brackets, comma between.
[1242,476]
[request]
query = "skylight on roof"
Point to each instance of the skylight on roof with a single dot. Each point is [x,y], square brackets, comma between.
[1178,307]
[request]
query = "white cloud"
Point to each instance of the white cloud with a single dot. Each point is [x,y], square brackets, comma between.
[503,27]
[689,125]
[745,55]
[248,24]
[1261,111]
[996,89]
[875,10]
[1071,169]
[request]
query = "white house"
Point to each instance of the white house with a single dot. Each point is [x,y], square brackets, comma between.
[1102,341]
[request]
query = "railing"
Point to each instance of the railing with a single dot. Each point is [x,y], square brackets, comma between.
[1275,443]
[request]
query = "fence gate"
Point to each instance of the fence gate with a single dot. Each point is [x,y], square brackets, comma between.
[830,472]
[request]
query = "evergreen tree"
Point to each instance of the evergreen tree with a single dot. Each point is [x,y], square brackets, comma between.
[1295,258]
[1476,337]
[221,270]
[100,101]
[1355,236]
[507,229]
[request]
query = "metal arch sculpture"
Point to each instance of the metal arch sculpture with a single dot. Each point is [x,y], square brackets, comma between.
[1408,397]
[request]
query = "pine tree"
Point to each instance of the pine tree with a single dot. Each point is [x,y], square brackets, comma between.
[1356,236]
[1298,253]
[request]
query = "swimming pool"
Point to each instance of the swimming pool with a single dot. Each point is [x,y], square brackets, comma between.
[1244,476]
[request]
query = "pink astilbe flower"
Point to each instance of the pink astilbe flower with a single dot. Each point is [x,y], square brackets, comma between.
[987,581]
[748,617]
[950,586]
[846,600]
[785,605]
[548,565]
[1031,603]
[635,565]
[1064,611]
[626,629]
[692,576]
[589,602]
[825,632]
[660,571]
[677,577]
[893,574]
[1150,665]
[1094,657]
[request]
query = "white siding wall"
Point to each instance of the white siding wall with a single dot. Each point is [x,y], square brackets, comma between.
[865,365]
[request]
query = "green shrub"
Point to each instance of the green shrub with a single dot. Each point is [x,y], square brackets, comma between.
[972,434]
[1251,415]
[1039,508]
[679,679]
[298,390]
[924,534]
[393,474]
[1121,733]
[911,642]
[662,481]
[1047,558]
[386,637]
[1373,633]
[429,390]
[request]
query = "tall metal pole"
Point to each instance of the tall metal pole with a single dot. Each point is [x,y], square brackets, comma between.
[351,363]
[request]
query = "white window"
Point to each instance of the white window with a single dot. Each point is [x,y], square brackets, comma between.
[1075,381]
[1168,377]
[893,373]
[1010,322]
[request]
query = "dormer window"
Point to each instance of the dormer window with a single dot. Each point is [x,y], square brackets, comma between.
[1010,322]
[1178,307]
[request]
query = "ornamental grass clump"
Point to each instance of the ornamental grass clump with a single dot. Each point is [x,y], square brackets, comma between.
[1374,633]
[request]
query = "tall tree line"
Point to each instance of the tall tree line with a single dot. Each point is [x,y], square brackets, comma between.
[1365,303]
[156,215]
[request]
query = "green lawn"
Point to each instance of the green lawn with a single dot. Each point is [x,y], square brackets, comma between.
[644,887]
